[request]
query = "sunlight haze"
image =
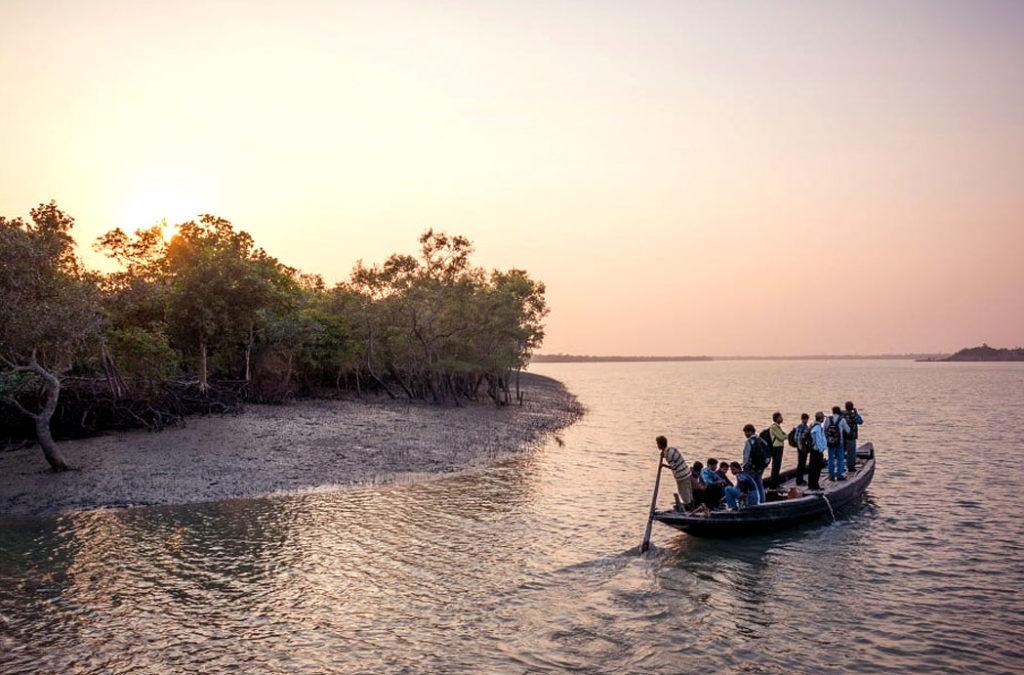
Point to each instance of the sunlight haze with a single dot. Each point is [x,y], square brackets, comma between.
[686,177]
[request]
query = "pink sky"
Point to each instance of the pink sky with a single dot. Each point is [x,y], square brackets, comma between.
[703,178]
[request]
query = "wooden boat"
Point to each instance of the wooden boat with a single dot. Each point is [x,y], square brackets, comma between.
[836,498]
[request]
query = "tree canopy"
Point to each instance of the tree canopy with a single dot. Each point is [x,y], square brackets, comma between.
[49,314]
[207,305]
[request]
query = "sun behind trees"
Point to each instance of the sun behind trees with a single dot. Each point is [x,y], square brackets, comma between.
[208,312]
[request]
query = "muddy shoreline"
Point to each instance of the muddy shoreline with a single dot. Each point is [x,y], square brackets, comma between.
[266,450]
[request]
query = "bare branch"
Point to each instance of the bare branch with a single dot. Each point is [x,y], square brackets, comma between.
[20,407]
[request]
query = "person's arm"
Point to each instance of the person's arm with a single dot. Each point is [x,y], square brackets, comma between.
[777,433]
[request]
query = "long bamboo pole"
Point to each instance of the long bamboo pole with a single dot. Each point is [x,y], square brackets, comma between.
[654,504]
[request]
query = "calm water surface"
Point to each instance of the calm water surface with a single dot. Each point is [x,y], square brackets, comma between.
[529,566]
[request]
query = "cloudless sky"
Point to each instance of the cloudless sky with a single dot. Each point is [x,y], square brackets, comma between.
[687,177]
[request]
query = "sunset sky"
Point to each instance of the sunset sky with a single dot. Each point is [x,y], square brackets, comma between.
[687,177]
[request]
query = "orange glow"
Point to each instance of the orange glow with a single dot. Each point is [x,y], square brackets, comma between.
[687,178]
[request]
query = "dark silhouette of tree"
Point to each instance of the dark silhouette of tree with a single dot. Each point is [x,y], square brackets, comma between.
[208,305]
[49,312]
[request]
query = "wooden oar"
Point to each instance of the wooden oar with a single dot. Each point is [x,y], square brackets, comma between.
[654,504]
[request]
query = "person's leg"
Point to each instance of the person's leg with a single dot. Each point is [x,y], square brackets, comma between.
[840,462]
[814,472]
[753,499]
[685,491]
[758,477]
[776,466]
[851,454]
[731,494]
[801,466]
[832,463]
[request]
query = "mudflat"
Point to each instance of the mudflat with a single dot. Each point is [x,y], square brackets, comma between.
[303,445]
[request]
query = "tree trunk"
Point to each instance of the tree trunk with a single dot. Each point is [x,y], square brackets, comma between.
[204,385]
[379,381]
[288,373]
[46,442]
[114,379]
[401,382]
[248,354]
[42,418]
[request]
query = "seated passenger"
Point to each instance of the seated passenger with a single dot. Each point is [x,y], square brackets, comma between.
[714,485]
[699,489]
[745,485]
[723,472]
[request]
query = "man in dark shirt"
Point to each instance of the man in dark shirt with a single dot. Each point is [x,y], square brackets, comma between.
[723,472]
[853,420]
[801,454]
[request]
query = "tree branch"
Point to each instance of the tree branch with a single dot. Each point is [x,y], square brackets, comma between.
[20,407]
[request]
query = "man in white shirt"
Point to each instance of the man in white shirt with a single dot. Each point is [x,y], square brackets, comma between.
[673,459]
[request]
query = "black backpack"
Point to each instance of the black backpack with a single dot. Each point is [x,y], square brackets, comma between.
[807,441]
[766,436]
[851,416]
[832,433]
[760,455]
[791,437]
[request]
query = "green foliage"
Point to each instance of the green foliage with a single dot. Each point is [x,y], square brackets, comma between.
[209,285]
[431,325]
[143,352]
[437,325]
[48,302]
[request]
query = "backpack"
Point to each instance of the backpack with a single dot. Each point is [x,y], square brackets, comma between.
[791,438]
[766,436]
[807,441]
[760,455]
[851,419]
[832,433]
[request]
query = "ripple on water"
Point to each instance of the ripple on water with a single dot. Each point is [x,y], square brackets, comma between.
[532,565]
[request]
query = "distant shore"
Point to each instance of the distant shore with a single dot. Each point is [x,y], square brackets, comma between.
[982,354]
[574,358]
[266,450]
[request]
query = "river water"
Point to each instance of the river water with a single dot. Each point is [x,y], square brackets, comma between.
[531,565]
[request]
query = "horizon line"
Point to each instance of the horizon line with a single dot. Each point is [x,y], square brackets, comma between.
[732,357]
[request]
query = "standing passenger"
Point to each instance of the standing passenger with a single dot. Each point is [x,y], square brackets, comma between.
[836,429]
[801,453]
[853,420]
[778,446]
[674,461]
[755,458]
[816,452]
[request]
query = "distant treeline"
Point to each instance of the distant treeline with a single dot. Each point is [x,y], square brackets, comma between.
[833,357]
[206,314]
[986,353]
[573,358]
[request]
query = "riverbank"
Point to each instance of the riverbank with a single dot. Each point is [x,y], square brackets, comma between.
[308,444]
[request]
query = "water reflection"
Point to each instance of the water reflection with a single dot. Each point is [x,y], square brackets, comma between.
[531,564]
